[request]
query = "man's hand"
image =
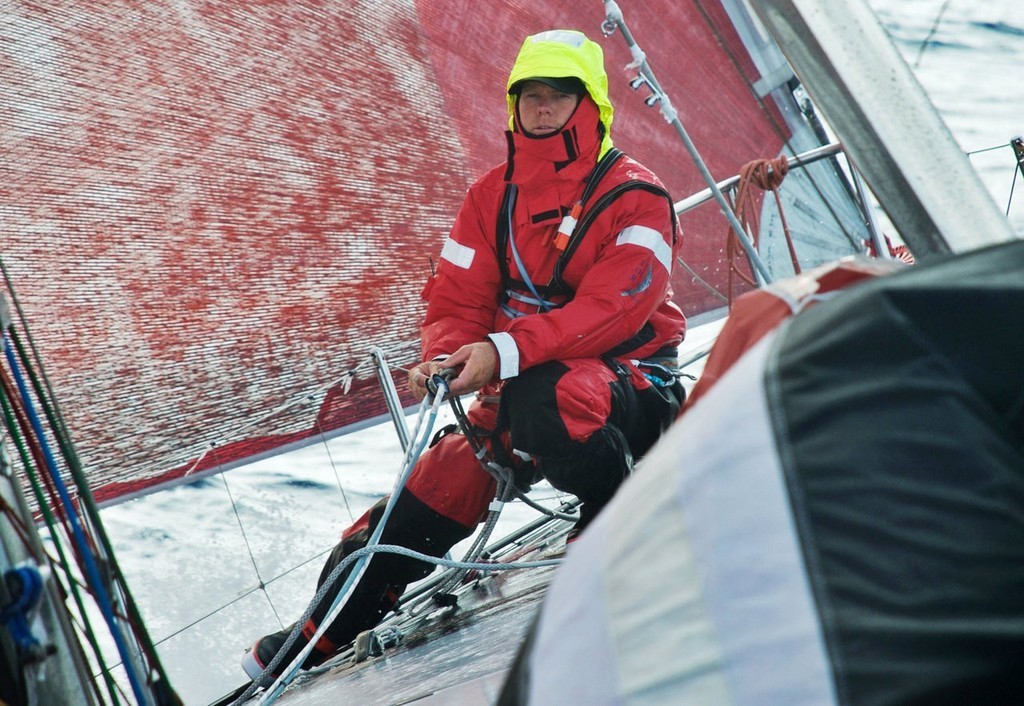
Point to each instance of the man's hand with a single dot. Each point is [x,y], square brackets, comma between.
[478,362]
[420,374]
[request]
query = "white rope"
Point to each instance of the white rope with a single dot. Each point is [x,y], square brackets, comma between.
[359,560]
[359,569]
[341,567]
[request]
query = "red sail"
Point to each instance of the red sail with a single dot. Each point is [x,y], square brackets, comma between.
[212,211]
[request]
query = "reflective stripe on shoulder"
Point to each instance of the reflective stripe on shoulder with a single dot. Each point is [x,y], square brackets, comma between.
[648,238]
[458,255]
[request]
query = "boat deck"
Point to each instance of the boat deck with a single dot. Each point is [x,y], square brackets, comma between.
[457,655]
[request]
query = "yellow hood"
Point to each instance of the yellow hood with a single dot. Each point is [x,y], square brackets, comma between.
[560,53]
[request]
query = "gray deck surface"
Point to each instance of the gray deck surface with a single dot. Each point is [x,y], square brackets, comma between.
[461,658]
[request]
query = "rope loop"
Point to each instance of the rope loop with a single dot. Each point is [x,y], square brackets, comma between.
[766,175]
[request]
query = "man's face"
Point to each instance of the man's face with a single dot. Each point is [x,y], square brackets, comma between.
[544,110]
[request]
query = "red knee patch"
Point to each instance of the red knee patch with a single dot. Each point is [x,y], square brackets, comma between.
[450,480]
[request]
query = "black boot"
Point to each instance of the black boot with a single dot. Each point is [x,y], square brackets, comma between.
[263,651]
[413,525]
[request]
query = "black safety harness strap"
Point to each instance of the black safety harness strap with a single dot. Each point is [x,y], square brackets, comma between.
[587,216]
[503,234]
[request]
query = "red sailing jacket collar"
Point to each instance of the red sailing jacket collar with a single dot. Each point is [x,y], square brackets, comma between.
[569,154]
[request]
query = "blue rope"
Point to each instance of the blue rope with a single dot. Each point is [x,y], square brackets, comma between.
[515,313]
[26,587]
[662,375]
[656,381]
[540,301]
[92,571]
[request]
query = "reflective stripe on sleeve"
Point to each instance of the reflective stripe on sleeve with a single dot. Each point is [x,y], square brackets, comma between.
[458,255]
[508,354]
[648,238]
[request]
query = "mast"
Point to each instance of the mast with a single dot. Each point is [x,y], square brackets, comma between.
[889,128]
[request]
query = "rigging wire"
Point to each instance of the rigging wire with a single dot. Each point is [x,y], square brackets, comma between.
[103,596]
[334,469]
[61,568]
[240,597]
[1013,186]
[926,42]
[87,538]
[262,583]
[780,132]
[971,153]
[700,280]
[1016,145]
[262,586]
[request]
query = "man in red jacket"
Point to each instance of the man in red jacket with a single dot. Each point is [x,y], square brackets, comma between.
[552,301]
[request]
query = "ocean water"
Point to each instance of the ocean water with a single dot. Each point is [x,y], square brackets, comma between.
[217,563]
[969,64]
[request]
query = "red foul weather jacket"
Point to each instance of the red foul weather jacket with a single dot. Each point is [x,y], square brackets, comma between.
[613,294]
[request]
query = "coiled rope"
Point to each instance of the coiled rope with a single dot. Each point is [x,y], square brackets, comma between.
[766,175]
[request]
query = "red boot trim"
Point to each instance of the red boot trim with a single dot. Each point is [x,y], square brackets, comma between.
[325,647]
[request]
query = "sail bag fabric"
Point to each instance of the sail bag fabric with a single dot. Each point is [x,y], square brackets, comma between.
[840,520]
